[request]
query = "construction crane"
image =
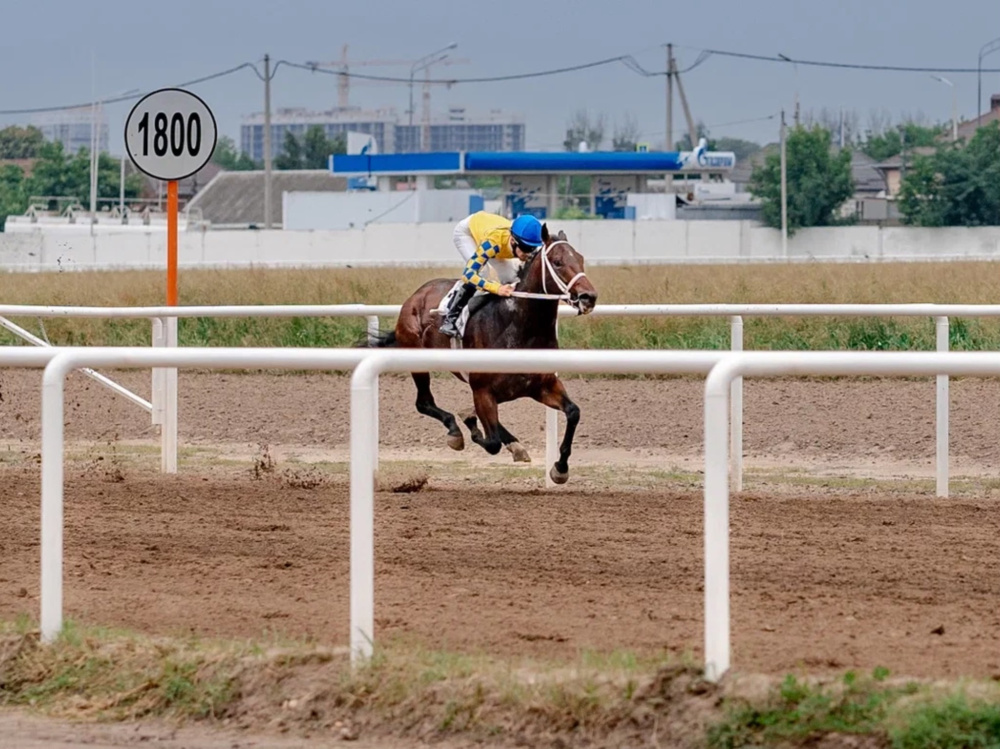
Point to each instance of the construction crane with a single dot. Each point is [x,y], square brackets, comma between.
[344,65]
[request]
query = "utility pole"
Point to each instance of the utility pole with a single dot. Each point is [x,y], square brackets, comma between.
[94,163]
[692,130]
[669,146]
[267,141]
[784,191]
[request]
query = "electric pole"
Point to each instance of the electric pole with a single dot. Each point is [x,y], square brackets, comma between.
[669,146]
[267,141]
[784,191]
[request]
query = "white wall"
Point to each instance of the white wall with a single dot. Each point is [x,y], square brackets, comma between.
[312,211]
[601,242]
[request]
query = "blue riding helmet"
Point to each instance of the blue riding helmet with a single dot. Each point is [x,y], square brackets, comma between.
[527,230]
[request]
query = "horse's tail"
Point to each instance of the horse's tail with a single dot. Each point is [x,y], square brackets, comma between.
[378,340]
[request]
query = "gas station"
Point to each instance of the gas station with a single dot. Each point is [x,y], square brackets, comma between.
[530,180]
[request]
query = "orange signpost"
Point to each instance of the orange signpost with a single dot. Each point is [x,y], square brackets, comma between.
[170,134]
[172,243]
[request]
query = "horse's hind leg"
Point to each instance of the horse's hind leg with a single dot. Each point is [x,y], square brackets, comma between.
[507,439]
[486,409]
[427,406]
[553,395]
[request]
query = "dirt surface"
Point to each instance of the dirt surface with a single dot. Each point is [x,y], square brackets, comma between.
[826,582]
[22,731]
[794,421]
[824,577]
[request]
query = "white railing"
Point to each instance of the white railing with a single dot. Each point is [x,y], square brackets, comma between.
[771,364]
[164,400]
[723,370]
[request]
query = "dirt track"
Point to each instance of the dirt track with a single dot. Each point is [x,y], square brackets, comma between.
[823,579]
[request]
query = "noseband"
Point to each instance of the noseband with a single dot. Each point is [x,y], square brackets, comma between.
[548,270]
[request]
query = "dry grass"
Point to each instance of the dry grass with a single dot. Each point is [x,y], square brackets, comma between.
[968,283]
[406,691]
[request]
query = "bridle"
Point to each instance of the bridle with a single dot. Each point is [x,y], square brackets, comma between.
[548,270]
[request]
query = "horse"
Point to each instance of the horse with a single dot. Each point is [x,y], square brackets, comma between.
[526,320]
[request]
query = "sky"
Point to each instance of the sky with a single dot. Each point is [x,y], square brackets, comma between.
[57,52]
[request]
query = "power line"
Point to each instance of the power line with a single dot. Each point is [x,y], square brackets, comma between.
[128,97]
[626,60]
[842,65]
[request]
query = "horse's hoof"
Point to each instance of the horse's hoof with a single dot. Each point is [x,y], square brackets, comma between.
[519,453]
[559,478]
[456,441]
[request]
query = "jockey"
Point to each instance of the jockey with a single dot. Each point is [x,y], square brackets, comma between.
[485,237]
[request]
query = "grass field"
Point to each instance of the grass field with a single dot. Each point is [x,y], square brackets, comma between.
[967,283]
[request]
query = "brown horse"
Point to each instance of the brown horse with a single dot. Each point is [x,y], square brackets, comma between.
[552,273]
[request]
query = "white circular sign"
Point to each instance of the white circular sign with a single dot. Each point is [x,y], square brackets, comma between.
[170,134]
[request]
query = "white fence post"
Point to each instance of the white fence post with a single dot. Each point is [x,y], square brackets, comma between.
[159,384]
[51,592]
[716,523]
[943,404]
[168,431]
[362,511]
[736,417]
[373,332]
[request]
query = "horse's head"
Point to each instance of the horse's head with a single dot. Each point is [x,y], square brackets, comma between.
[560,271]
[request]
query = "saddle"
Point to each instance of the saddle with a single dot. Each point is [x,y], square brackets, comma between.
[478,301]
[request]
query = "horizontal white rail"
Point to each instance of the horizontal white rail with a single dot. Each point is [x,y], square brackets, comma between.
[244,310]
[601,310]
[770,364]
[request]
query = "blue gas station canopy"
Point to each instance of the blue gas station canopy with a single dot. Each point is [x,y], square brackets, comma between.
[530,162]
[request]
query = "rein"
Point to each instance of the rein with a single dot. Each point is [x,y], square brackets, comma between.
[548,270]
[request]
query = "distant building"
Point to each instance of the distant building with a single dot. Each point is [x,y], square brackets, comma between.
[967,128]
[380,123]
[459,132]
[74,128]
[495,131]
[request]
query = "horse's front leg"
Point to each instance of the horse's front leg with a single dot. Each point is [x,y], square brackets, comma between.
[553,395]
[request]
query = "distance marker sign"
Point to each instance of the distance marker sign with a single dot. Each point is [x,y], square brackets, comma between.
[170,134]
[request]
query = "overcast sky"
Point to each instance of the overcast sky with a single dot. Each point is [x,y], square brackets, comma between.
[52,51]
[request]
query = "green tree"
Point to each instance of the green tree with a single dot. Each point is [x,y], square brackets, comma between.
[317,148]
[57,174]
[230,158]
[20,142]
[818,181]
[13,200]
[312,152]
[957,185]
[291,153]
[891,142]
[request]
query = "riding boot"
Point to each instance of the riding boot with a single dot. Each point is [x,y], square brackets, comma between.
[450,324]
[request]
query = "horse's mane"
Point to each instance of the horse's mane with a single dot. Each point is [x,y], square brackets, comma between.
[525,268]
